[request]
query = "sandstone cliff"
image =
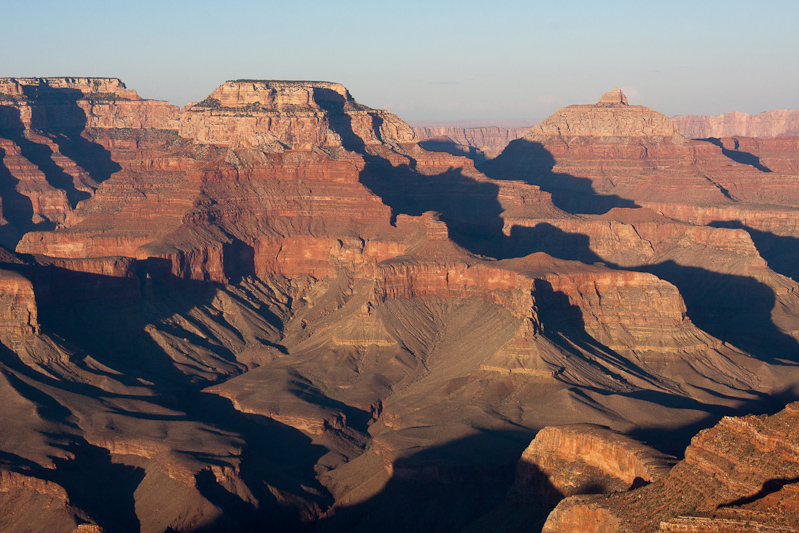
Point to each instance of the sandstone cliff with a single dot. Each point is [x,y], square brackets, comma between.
[611,117]
[739,475]
[567,460]
[275,307]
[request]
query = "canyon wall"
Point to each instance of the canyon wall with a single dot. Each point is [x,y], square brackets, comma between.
[277,307]
[739,475]
[781,123]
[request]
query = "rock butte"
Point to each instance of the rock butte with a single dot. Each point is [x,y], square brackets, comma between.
[275,308]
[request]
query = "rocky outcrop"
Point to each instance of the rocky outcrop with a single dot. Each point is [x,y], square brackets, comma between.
[60,104]
[19,315]
[740,475]
[568,460]
[280,115]
[275,306]
[581,514]
[782,123]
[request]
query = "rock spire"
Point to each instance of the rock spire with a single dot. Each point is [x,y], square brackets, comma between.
[613,98]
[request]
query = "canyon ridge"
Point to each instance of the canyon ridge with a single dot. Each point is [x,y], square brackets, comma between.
[278,310]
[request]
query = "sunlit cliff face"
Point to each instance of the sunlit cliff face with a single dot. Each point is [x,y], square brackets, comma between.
[274,309]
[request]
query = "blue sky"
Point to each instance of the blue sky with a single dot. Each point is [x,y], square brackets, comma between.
[426,60]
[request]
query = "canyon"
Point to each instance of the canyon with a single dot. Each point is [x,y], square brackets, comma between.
[477,143]
[279,309]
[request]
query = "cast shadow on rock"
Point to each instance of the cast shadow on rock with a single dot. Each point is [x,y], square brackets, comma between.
[40,155]
[277,458]
[446,145]
[438,489]
[98,485]
[734,309]
[114,333]
[780,252]
[769,487]
[17,208]
[562,323]
[532,163]
[57,114]
[744,158]
[470,208]
[93,482]
[544,237]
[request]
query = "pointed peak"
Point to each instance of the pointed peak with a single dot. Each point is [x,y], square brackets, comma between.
[614,97]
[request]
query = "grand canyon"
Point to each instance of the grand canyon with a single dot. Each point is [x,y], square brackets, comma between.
[278,309]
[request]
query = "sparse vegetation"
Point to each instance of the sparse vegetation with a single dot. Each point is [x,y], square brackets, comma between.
[213,103]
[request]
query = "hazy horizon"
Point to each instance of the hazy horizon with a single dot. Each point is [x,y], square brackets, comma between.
[428,62]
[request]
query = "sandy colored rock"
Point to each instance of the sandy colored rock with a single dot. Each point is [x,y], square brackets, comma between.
[739,475]
[578,459]
[780,123]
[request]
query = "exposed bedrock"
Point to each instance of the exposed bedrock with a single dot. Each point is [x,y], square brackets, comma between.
[778,123]
[585,459]
[275,310]
[739,475]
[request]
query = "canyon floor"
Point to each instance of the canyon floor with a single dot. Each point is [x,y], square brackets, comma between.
[278,310]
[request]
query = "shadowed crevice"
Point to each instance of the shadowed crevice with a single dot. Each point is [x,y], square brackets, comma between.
[532,163]
[470,208]
[448,146]
[99,486]
[744,158]
[780,252]
[55,111]
[769,487]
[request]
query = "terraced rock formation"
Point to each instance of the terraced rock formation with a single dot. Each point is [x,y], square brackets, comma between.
[275,310]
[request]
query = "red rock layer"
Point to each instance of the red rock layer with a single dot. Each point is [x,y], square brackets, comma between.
[351,315]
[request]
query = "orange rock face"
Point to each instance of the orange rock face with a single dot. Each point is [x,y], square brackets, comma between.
[276,307]
[20,318]
[739,475]
[578,459]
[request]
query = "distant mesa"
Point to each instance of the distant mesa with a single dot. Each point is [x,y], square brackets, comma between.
[23,87]
[275,94]
[610,117]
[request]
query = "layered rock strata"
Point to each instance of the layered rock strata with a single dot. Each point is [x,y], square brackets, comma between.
[275,307]
[739,475]
[781,123]
[582,458]
[478,143]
